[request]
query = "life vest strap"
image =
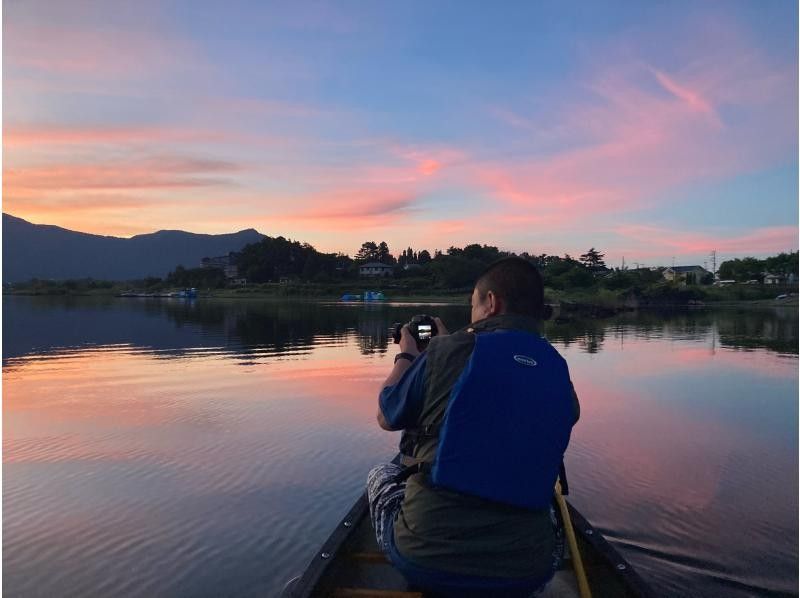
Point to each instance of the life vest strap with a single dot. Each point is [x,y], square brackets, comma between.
[429,431]
[421,467]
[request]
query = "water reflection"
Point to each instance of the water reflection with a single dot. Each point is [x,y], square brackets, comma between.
[207,447]
[173,328]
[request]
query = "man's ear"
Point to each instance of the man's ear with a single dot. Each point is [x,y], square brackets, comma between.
[495,304]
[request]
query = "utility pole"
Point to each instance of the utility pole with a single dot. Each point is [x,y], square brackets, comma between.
[714,262]
[623,262]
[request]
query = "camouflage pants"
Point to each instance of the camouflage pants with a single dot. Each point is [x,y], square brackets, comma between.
[384,495]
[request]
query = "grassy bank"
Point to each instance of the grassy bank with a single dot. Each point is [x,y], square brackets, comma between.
[598,300]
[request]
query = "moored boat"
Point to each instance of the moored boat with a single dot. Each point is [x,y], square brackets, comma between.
[349,564]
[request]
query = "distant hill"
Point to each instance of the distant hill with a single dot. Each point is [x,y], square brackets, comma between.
[51,252]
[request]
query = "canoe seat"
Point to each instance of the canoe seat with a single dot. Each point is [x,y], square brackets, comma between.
[369,593]
[368,557]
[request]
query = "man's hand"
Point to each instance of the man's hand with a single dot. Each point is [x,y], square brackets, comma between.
[408,344]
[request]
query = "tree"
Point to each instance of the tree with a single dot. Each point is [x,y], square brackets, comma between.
[483,253]
[311,266]
[406,257]
[368,252]
[593,260]
[741,270]
[383,255]
[456,271]
[424,257]
[783,263]
[197,277]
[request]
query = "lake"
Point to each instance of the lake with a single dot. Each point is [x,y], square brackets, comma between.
[207,448]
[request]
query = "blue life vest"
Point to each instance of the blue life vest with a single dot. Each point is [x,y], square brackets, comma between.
[507,423]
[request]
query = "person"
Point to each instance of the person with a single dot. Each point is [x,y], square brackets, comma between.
[486,415]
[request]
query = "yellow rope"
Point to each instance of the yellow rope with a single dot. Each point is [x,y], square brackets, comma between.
[577,562]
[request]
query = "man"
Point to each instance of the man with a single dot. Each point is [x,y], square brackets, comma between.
[486,414]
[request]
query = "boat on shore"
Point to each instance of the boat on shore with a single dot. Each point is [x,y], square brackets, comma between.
[367,296]
[349,564]
[182,294]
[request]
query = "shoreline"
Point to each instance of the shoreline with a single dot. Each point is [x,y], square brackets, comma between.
[564,302]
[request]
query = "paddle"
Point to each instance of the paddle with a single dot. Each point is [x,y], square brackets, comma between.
[580,572]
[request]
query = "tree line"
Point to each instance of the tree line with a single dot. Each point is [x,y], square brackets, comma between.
[750,268]
[277,259]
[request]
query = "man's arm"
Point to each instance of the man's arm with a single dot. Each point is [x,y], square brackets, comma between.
[576,405]
[401,366]
[401,396]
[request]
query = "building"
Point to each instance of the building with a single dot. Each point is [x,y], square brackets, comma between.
[782,279]
[226,263]
[375,269]
[686,274]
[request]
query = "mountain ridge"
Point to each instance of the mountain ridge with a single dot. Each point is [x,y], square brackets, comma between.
[48,251]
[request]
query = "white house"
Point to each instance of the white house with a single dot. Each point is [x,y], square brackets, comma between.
[375,269]
[686,274]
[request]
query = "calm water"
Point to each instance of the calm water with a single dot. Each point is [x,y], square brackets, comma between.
[206,449]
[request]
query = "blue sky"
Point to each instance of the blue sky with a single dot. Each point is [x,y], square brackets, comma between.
[646,130]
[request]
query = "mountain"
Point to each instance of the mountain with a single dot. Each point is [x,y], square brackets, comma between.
[51,252]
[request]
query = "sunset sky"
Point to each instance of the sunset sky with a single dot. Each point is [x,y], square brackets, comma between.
[648,130]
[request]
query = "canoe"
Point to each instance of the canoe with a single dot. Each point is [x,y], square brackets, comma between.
[350,565]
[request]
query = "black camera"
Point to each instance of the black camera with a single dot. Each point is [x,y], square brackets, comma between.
[422,328]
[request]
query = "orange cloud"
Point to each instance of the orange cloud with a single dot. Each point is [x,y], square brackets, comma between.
[429,167]
[151,173]
[83,203]
[348,210]
[15,136]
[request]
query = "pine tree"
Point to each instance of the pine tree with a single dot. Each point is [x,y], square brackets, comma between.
[593,259]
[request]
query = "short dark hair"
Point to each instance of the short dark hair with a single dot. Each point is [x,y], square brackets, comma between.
[517,282]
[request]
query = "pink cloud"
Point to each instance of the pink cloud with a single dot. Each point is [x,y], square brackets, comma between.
[692,98]
[626,143]
[646,241]
[87,51]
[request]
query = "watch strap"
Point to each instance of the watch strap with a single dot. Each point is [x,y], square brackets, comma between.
[408,356]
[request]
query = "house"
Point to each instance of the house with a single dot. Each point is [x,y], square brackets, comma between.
[686,274]
[783,279]
[375,269]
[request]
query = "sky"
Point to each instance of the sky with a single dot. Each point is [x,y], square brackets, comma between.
[655,132]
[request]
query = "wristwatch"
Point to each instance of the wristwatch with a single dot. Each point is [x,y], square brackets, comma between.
[408,356]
